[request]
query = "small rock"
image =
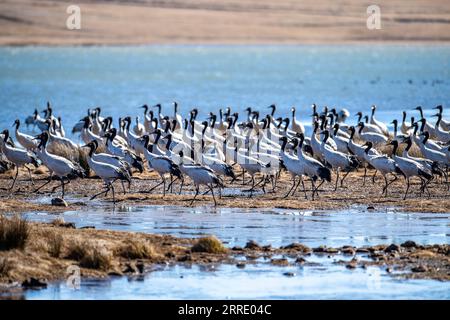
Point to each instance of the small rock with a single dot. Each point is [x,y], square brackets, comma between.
[409,244]
[420,268]
[362,250]
[351,265]
[184,258]
[389,270]
[331,250]
[300,261]
[87,227]
[115,274]
[320,249]
[34,283]
[59,202]
[267,248]
[170,255]
[348,251]
[289,274]
[130,268]
[140,266]
[240,265]
[392,248]
[280,262]
[298,247]
[370,208]
[252,245]
[237,248]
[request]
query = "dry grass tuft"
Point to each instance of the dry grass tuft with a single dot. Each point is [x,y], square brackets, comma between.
[55,244]
[135,250]
[89,256]
[14,232]
[209,244]
[6,265]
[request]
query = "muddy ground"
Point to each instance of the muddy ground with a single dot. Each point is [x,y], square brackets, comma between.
[353,193]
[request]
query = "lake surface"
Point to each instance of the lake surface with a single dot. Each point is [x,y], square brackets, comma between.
[120,79]
[261,280]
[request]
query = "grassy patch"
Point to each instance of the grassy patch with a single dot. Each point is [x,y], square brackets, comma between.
[209,244]
[135,250]
[14,233]
[55,244]
[6,265]
[89,256]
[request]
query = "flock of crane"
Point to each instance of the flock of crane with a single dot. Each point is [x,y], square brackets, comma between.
[208,152]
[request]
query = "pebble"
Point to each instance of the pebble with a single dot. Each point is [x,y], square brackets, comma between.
[59,202]
[252,245]
[34,283]
[300,260]
[280,262]
[289,274]
[420,268]
[409,244]
[240,265]
[392,248]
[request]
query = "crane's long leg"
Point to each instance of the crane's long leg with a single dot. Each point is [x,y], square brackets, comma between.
[123,187]
[345,176]
[29,174]
[182,183]
[293,185]
[63,190]
[385,186]
[153,188]
[48,181]
[102,192]
[407,188]
[214,198]
[164,186]
[374,175]
[365,174]
[196,194]
[113,193]
[337,179]
[15,178]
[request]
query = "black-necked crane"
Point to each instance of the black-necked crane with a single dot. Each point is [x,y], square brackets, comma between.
[201,175]
[441,135]
[161,164]
[58,166]
[384,165]
[25,140]
[384,129]
[294,166]
[19,157]
[370,136]
[337,160]
[411,168]
[108,173]
[444,123]
[313,168]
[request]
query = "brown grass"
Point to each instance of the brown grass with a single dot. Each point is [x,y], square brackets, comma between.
[14,232]
[6,265]
[135,250]
[55,244]
[209,245]
[89,255]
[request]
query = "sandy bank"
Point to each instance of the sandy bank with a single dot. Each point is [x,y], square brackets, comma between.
[27,22]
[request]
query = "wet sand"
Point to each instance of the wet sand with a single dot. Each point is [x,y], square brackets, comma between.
[352,194]
[28,22]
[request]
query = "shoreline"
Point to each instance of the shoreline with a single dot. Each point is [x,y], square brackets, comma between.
[36,266]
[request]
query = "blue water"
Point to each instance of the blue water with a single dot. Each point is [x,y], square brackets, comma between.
[120,79]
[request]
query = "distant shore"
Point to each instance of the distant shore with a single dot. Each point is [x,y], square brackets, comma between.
[222,22]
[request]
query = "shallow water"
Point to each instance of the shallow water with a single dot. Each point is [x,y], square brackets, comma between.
[277,227]
[120,79]
[261,280]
